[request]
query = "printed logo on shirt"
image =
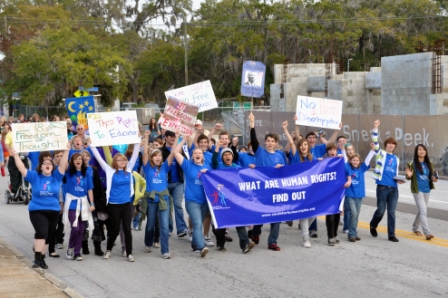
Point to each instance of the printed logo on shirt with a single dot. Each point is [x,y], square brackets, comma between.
[46,189]
[355,180]
[80,184]
[198,180]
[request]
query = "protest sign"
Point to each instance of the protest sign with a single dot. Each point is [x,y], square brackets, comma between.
[179,116]
[319,112]
[252,79]
[77,109]
[39,136]
[200,94]
[113,128]
[244,197]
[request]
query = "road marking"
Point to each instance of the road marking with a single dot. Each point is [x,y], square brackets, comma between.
[402,234]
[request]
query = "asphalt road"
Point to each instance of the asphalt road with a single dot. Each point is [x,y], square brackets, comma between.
[372,267]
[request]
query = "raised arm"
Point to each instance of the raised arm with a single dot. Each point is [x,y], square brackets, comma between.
[376,124]
[176,151]
[333,137]
[63,164]
[98,157]
[297,129]
[107,155]
[253,134]
[145,148]
[370,155]
[288,136]
[215,161]
[134,156]
[19,163]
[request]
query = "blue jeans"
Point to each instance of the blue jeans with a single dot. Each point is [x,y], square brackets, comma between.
[197,214]
[273,233]
[313,226]
[176,190]
[164,217]
[346,216]
[352,208]
[387,197]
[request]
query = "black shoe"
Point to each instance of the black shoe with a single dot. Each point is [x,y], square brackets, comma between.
[373,232]
[98,251]
[42,263]
[228,238]
[37,257]
[85,247]
[313,234]
[393,239]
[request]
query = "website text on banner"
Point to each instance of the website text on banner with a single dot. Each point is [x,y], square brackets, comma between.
[200,94]
[179,116]
[113,128]
[319,112]
[244,197]
[40,136]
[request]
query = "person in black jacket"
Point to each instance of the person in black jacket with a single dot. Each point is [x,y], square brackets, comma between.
[175,185]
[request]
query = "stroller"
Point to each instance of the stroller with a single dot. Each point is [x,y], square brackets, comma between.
[23,194]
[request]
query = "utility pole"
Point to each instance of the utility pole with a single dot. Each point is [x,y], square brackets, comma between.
[186,50]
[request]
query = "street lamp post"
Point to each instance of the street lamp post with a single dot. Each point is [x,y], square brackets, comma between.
[348,64]
[186,49]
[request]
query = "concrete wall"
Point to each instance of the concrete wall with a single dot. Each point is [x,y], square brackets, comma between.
[401,86]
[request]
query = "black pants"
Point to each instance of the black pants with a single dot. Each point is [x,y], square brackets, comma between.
[57,236]
[119,213]
[332,222]
[44,223]
[221,236]
[15,175]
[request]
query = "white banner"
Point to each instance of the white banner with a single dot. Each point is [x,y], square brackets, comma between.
[113,128]
[39,136]
[200,94]
[319,112]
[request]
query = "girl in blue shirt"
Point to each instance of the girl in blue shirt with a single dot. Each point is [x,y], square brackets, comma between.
[120,189]
[421,173]
[156,174]
[44,208]
[77,199]
[356,191]
[195,201]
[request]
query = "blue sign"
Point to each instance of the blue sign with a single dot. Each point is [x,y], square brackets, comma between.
[244,197]
[93,89]
[78,107]
[252,79]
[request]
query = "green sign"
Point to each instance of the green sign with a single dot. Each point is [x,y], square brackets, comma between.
[245,106]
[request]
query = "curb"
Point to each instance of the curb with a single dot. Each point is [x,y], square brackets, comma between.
[51,278]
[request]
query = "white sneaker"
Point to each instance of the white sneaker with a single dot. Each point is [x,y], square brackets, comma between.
[208,241]
[190,236]
[306,244]
[107,254]
[345,231]
[124,254]
[204,251]
[131,258]
[147,249]
[156,245]
[70,253]
[166,256]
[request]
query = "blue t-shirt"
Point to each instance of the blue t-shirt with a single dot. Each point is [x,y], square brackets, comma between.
[246,159]
[45,190]
[78,185]
[318,151]
[296,158]
[156,179]
[173,170]
[34,158]
[207,155]
[268,159]
[423,179]
[194,190]
[120,192]
[357,189]
[284,156]
[389,172]
[222,166]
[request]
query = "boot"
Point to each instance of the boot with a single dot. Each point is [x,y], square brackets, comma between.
[37,257]
[98,251]
[85,247]
[42,263]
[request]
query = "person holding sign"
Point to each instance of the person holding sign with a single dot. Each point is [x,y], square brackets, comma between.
[266,157]
[120,189]
[44,208]
[386,169]
[159,201]
[224,163]
[195,200]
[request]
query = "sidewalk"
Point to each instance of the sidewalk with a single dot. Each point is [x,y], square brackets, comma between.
[17,279]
